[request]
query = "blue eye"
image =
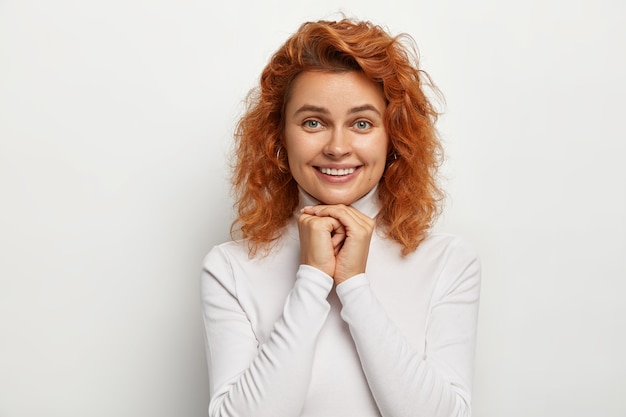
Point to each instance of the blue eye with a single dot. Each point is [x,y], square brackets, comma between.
[362,125]
[312,124]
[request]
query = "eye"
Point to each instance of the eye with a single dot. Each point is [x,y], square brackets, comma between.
[312,124]
[362,125]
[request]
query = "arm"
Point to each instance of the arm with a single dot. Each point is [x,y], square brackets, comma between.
[248,379]
[402,381]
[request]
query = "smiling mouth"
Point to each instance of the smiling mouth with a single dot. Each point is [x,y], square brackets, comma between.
[337,172]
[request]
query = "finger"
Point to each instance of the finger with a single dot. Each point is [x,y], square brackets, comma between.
[350,217]
[338,236]
[317,248]
[334,211]
[316,223]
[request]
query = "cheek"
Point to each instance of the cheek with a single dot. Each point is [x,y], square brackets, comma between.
[291,141]
[296,160]
[377,150]
[299,150]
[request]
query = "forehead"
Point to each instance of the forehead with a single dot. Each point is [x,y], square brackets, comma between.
[335,91]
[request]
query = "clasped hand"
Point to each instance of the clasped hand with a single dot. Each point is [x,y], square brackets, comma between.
[335,239]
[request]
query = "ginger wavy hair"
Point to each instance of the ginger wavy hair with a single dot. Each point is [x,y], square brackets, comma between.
[265,192]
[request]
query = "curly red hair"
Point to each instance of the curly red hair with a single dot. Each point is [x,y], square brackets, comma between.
[266,193]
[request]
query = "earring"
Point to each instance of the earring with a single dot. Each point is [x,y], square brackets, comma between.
[393,155]
[281,168]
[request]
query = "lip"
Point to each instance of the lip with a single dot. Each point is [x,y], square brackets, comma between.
[337,179]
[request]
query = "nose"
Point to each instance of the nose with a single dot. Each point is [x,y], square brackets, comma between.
[338,144]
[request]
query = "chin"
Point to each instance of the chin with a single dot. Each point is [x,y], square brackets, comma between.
[333,200]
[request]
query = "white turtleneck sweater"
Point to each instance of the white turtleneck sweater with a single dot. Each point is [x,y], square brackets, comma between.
[399,340]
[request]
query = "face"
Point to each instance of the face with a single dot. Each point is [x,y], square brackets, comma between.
[335,136]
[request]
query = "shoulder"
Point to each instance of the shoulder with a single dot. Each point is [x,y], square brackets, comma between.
[459,262]
[450,244]
[435,251]
[221,257]
[240,251]
[236,259]
[222,267]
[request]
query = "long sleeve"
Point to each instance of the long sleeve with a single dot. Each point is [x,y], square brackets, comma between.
[252,379]
[403,380]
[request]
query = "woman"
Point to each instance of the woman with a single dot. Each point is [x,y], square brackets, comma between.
[338,301]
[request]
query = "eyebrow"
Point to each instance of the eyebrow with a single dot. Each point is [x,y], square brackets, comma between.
[311,108]
[323,110]
[364,107]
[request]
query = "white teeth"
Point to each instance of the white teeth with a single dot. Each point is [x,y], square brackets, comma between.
[333,171]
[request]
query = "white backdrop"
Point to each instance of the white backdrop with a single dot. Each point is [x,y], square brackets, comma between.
[115,122]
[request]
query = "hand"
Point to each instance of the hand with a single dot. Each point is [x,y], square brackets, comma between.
[320,241]
[349,237]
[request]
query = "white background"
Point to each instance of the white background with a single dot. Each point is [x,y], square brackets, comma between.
[115,124]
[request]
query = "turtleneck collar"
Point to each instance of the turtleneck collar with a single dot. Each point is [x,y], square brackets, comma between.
[368,204]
